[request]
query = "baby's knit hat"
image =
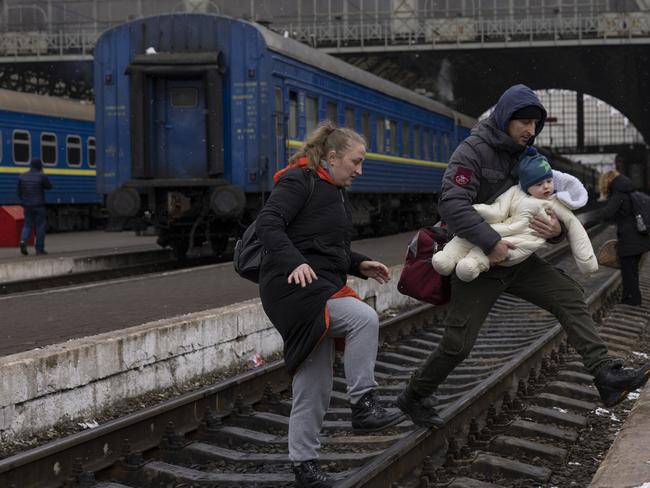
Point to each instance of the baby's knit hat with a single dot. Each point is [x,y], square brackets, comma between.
[532,169]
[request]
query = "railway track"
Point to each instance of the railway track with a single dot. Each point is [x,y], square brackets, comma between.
[520,391]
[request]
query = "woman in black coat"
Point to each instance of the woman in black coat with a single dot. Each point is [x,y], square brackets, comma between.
[306,228]
[631,243]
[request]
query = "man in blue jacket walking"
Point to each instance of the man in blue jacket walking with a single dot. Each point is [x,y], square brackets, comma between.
[31,192]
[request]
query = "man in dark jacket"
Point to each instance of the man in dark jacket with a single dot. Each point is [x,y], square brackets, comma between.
[482,167]
[31,192]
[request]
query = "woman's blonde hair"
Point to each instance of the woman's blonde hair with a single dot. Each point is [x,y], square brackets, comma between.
[325,138]
[606,180]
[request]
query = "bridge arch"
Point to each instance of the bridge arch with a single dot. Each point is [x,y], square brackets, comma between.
[473,80]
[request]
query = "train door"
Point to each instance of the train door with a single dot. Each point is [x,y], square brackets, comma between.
[180,134]
[279,128]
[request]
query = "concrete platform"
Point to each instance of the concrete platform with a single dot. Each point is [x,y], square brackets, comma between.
[41,318]
[77,252]
[627,464]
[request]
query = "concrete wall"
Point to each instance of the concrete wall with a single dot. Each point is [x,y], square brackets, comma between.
[81,377]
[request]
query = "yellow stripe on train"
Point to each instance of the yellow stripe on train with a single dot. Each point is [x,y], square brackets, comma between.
[51,171]
[292,144]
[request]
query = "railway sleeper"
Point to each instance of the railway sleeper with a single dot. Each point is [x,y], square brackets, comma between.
[534,441]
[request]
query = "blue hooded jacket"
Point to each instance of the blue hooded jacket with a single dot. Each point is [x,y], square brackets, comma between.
[484,166]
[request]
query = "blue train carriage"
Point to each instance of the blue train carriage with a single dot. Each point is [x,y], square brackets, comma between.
[195,113]
[61,133]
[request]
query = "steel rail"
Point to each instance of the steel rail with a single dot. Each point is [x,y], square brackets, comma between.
[101,447]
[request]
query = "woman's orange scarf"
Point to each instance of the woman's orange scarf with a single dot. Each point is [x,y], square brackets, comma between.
[302,163]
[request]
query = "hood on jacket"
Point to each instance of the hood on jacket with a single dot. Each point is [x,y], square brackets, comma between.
[487,130]
[515,98]
[622,184]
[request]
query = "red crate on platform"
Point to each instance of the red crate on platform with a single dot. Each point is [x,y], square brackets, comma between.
[11,225]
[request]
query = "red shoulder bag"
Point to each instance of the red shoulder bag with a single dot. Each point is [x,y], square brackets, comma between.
[419,279]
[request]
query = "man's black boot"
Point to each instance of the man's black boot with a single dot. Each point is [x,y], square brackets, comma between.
[23,248]
[368,416]
[421,410]
[614,381]
[309,475]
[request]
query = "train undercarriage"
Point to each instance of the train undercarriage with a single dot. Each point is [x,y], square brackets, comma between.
[200,220]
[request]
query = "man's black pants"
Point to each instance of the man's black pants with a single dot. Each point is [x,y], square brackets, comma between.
[534,280]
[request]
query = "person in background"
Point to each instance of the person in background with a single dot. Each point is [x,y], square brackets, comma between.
[31,193]
[483,166]
[631,244]
[306,229]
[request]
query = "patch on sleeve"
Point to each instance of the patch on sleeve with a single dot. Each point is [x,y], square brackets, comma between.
[463,176]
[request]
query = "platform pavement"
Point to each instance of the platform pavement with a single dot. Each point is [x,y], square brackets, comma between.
[627,464]
[71,252]
[66,243]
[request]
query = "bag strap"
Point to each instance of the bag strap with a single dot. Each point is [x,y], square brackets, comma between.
[502,189]
[312,184]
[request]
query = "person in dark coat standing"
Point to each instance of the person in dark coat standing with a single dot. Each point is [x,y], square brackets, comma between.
[631,244]
[483,166]
[31,193]
[306,229]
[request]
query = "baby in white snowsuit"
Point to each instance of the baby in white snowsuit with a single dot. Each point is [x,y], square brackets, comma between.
[540,188]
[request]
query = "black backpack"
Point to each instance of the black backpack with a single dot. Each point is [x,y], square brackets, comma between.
[641,207]
[247,256]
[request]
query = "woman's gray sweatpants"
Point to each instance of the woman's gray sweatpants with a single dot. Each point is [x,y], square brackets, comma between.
[312,384]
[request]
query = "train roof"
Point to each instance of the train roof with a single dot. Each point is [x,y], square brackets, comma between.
[306,54]
[45,105]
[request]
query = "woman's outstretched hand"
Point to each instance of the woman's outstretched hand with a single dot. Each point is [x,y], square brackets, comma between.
[302,275]
[375,270]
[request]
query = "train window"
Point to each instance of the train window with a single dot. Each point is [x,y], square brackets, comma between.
[365,126]
[349,118]
[48,148]
[393,137]
[91,152]
[278,100]
[312,114]
[435,147]
[293,115]
[332,112]
[446,147]
[22,147]
[73,150]
[406,149]
[380,134]
[184,97]
[416,142]
[426,141]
